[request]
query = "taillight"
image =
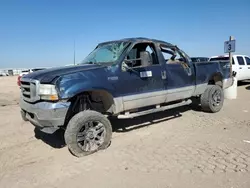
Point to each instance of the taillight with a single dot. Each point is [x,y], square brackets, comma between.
[19,80]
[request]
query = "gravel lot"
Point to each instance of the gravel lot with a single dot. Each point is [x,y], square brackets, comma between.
[179,148]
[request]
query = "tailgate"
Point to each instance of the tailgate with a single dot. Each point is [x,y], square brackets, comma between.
[225,68]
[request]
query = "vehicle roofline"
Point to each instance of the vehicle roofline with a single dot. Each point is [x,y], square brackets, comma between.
[138,39]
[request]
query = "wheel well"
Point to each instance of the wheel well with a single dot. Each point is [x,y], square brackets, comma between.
[216,80]
[98,100]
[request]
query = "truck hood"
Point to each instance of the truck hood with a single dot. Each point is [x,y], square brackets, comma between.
[48,75]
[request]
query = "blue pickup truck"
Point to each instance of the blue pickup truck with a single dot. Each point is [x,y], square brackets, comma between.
[123,79]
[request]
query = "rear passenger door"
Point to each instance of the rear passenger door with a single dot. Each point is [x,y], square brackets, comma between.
[247,59]
[242,68]
[180,74]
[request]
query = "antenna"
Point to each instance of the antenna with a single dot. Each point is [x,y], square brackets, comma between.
[74,54]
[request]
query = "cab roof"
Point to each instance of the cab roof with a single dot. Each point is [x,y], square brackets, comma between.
[139,39]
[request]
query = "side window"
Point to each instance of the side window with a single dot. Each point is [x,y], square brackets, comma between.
[171,56]
[167,54]
[240,60]
[135,54]
[247,60]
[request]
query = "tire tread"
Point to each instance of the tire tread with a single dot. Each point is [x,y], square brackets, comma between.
[75,124]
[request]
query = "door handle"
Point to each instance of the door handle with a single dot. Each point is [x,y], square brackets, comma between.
[189,71]
[163,75]
[240,67]
[187,68]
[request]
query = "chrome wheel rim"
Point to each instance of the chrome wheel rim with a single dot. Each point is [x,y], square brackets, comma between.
[91,136]
[216,98]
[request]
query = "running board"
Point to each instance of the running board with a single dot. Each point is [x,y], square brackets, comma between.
[157,109]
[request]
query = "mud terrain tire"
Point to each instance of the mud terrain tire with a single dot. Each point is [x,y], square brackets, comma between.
[212,99]
[85,126]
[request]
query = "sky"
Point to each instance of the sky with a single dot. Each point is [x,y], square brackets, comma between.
[41,33]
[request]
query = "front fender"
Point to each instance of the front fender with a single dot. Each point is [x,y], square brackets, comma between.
[70,86]
[77,88]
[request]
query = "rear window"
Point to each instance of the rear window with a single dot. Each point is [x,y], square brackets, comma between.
[240,60]
[221,59]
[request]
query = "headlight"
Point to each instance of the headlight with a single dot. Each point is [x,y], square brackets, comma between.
[48,92]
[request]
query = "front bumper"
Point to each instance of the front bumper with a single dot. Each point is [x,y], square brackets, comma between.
[45,114]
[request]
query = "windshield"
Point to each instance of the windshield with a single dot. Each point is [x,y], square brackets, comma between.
[106,53]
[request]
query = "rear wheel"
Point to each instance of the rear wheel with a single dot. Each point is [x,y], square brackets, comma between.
[212,99]
[87,132]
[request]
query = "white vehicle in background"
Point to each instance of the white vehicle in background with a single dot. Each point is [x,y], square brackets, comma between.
[27,71]
[23,72]
[4,74]
[240,64]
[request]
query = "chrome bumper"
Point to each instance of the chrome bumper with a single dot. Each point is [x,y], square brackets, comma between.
[45,114]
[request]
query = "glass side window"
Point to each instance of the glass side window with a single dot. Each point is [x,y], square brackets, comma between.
[240,60]
[172,56]
[134,54]
[247,60]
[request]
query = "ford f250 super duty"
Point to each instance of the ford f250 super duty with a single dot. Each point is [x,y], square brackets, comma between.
[123,79]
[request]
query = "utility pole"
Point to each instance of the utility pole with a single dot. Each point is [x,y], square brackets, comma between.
[231,56]
[229,47]
[74,53]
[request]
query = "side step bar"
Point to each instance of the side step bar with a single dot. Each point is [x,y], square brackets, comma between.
[157,109]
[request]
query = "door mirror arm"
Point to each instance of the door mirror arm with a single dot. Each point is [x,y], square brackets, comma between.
[125,66]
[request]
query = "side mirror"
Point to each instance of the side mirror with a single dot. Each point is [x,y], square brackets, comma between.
[146,59]
[234,74]
[125,67]
[129,62]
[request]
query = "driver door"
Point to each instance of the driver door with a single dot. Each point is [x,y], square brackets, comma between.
[142,86]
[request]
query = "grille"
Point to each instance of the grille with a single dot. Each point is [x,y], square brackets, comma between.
[29,90]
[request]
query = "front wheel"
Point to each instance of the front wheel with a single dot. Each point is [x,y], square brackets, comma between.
[212,99]
[87,132]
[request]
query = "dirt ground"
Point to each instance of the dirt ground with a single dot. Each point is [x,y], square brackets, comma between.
[179,148]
